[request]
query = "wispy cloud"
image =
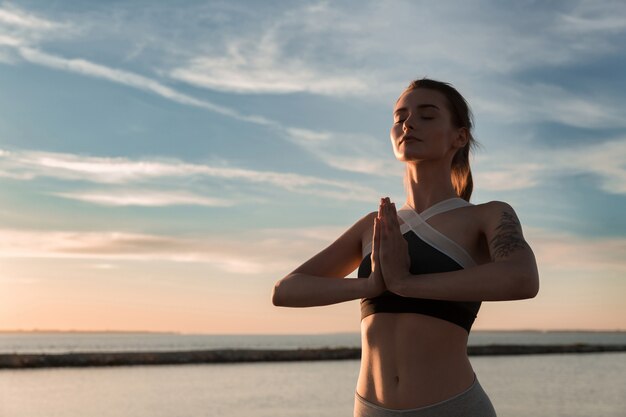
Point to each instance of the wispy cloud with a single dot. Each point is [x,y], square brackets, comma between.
[591,16]
[540,102]
[241,62]
[501,169]
[596,256]
[279,51]
[606,160]
[276,250]
[145,198]
[27,30]
[20,28]
[497,170]
[317,143]
[130,79]
[296,135]
[261,65]
[18,18]
[267,253]
[509,177]
[373,53]
[27,165]
[359,153]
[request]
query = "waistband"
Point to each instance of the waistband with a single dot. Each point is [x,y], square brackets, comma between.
[471,402]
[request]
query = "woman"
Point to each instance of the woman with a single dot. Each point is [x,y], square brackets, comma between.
[425,268]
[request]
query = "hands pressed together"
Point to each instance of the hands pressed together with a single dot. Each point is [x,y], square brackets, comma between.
[390,251]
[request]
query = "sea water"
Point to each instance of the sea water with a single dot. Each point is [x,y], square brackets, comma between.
[554,385]
[565,385]
[59,342]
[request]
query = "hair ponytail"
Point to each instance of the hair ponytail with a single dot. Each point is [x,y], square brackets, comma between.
[461,174]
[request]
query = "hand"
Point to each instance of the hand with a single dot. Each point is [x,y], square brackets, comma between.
[394,249]
[376,283]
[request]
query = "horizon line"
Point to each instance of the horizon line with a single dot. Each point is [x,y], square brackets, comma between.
[281,334]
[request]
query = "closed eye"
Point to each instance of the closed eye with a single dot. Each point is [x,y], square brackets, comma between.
[423,118]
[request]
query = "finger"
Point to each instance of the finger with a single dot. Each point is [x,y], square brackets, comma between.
[383,227]
[374,232]
[394,215]
[392,220]
[384,210]
[376,239]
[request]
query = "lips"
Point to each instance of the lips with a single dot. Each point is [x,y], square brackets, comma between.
[409,137]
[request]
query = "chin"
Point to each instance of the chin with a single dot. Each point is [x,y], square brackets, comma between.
[407,157]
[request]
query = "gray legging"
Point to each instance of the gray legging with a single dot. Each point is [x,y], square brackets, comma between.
[473,402]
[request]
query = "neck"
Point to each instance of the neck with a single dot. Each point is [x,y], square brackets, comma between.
[429,183]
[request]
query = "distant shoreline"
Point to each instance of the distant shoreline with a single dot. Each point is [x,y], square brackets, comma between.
[22,361]
[173,332]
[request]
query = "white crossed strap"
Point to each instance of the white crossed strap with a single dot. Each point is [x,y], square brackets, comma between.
[417,223]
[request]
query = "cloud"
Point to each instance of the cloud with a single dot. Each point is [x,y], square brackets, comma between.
[130,79]
[18,18]
[271,54]
[145,198]
[38,29]
[28,165]
[233,253]
[509,177]
[317,48]
[606,160]
[254,65]
[277,52]
[590,16]
[540,102]
[88,68]
[279,250]
[20,28]
[308,139]
[360,153]
[562,252]
[26,31]
[501,169]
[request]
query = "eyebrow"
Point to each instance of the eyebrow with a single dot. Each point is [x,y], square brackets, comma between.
[421,106]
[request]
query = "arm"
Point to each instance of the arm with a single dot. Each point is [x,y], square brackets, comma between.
[320,280]
[511,275]
[305,290]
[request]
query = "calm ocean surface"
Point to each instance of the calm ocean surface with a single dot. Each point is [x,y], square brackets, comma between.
[565,385]
[54,342]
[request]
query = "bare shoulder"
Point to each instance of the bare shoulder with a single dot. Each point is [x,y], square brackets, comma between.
[502,228]
[368,220]
[368,225]
[495,210]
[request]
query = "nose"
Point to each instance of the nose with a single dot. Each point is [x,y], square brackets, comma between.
[408,123]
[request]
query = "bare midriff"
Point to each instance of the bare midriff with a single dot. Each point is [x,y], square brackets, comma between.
[411,360]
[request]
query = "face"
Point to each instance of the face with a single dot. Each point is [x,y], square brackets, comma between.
[423,114]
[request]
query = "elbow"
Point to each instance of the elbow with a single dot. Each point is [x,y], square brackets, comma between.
[529,288]
[276,295]
[534,289]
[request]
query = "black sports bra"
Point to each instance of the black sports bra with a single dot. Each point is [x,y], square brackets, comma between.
[430,252]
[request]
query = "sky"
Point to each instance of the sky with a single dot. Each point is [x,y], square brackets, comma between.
[163,165]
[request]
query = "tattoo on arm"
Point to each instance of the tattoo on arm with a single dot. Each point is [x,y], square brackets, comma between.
[508,237]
